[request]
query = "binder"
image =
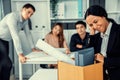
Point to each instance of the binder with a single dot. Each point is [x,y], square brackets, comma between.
[84,57]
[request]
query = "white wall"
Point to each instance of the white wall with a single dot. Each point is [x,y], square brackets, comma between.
[113,9]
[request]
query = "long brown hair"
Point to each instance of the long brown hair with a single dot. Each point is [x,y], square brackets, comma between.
[60,35]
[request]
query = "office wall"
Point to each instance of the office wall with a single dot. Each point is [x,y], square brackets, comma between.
[7,6]
[113,10]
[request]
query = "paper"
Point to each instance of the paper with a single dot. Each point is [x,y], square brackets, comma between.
[40,56]
[61,49]
[54,52]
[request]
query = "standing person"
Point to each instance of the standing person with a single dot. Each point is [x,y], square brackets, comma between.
[10,26]
[79,40]
[56,39]
[107,42]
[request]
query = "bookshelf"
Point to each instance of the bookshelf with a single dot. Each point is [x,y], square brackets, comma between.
[67,9]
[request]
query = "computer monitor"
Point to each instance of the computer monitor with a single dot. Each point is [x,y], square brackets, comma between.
[84,57]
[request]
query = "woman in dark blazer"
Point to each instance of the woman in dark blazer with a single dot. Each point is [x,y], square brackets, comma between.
[106,42]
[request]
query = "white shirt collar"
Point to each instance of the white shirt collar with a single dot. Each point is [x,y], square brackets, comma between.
[107,33]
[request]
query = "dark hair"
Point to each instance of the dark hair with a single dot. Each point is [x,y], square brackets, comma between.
[80,22]
[60,35]
[96,10]
[28,5]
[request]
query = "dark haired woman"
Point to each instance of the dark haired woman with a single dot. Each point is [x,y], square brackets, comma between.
[106,42]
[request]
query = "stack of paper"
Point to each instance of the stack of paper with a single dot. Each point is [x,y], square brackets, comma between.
[53,52]
[40,56]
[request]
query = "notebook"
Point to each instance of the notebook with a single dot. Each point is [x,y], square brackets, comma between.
[84,57]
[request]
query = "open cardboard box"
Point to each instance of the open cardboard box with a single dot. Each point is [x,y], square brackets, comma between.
[70,72]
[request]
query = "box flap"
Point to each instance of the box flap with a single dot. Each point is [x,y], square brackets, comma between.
[71,72]
[93,72]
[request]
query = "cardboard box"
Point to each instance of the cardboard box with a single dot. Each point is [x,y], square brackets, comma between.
[70,72]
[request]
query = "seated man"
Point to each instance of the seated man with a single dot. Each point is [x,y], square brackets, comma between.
[79,40]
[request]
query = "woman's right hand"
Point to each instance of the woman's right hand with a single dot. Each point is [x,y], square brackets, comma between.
[67,51]
[92,30]
[99,57]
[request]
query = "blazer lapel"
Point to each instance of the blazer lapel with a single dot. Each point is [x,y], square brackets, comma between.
[111,39]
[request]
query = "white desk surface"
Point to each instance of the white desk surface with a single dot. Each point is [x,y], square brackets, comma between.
[40,58]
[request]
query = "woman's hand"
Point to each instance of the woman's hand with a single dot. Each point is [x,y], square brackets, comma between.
[67,51]
[99,57]
[92,30]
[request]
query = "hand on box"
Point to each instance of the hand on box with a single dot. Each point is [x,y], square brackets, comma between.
[99,57]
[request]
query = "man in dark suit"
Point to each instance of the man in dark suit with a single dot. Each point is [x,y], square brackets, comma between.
[106,42]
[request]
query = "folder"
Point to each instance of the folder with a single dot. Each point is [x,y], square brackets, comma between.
[84,57]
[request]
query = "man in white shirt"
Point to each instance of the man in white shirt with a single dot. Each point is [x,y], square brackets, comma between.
[10,26]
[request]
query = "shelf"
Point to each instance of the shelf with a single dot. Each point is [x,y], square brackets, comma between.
[114,12]
[67,19]
[67,9]
[29,0]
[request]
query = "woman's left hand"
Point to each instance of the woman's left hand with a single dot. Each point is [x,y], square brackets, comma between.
[99,57]
[67,51]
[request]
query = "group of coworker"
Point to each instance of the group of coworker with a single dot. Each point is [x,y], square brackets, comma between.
[56,39]
[106,41]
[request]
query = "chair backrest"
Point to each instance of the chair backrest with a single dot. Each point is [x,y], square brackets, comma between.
[68,34]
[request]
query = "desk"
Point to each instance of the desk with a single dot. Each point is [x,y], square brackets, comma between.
[37,58]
